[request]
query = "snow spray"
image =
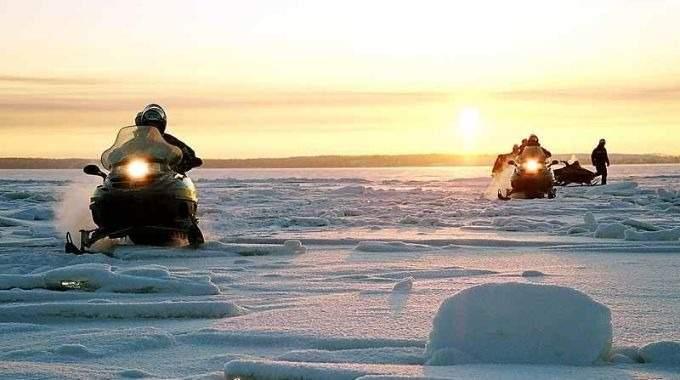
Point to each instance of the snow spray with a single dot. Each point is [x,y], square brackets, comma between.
[500,181]
[73,213]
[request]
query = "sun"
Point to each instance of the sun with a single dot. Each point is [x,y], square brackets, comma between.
[467,127]
[468,122]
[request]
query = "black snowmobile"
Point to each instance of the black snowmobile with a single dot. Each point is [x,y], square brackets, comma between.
[532,178]
[142,197]
[574,173]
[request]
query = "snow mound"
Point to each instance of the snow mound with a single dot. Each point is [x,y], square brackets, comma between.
[102,278]
[121,310]
[403,286]
[75,350]
[521,323]
[630,352]
[610,231]
[663,235]
[661,353]
[391,246]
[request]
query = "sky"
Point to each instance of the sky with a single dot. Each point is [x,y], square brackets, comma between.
[244,79]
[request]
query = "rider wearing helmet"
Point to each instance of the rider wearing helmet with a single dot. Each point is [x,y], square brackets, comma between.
[154,115]
[534,149]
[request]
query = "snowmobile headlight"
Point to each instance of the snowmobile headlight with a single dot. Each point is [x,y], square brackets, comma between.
[138,169]
[531,166]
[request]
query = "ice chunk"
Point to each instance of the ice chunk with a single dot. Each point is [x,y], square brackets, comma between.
[289,247]
[610,231]
[667,195]
[391,246]
[663,235]
[631,352]
[101,277]
[665,352]
[305,221]
[532,273]
[522,323]
[590,221]
[76,350]
[403,286]
[621,359]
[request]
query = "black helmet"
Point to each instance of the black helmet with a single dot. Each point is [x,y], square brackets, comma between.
[152,115]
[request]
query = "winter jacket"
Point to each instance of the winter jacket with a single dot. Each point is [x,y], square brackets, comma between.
[189,159]
[599,156]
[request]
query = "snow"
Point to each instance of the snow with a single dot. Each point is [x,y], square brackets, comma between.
[383,355]
[391,246]
[667,353]
[273,370]
[404,285]
[121,310]
[521,323]
[332,272]
[102,278]
[663,235]
[610,231]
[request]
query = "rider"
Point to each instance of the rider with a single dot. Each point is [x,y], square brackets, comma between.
[502,160]
[154,115]
[533,149]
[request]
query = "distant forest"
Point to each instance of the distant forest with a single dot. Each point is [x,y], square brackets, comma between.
[341,161]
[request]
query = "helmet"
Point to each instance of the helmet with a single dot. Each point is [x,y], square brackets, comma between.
[533,138]
[515,147]
[152,115]
[603,141]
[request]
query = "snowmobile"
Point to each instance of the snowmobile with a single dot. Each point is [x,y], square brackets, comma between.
[533,178]
[574,173]
[142,197]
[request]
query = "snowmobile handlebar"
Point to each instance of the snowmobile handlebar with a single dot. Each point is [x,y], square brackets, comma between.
[94,170]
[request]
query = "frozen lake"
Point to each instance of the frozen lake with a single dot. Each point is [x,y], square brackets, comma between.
[326,309]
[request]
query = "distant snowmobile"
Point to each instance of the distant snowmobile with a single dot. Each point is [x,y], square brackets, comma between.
[574,173]
[142,197]
[532,178]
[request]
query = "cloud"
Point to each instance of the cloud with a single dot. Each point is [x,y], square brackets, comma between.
[295,99]
[47,80]
[651,93]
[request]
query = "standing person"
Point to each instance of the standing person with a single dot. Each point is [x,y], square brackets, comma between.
[600,160]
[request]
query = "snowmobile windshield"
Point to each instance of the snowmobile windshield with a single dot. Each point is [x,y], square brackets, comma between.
[140,142]
[532,153]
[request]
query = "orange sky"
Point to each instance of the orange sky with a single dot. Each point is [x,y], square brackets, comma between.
[282,78]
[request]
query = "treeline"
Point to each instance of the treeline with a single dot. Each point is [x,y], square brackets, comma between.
[342,161]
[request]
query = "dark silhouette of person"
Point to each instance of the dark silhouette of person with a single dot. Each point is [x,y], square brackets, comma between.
[534,148]
[154,115]
[600,160]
